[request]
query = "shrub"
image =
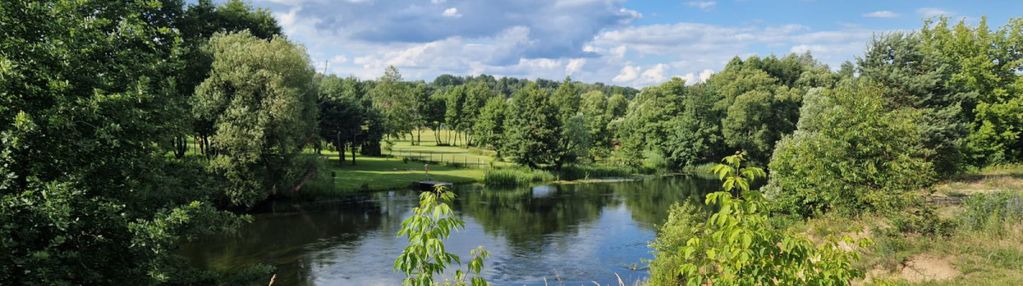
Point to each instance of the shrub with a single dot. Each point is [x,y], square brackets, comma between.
[850,153]
[425,256]
[737,245]
[516,176]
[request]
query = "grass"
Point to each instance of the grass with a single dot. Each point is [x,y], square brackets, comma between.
[515,176]
[983,246]
[429,150]
[383,173]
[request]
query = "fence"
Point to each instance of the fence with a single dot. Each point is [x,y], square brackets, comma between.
[454,160]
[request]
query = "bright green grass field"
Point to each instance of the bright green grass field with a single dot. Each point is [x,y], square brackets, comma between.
[376,173]
[429,150]
[386,173]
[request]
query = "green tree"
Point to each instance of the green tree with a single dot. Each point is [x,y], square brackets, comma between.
[476,96]
[852,152]
[489,128]
[454,116]
[88,193]
[264,104]
[342,118]
[593,107]
[617,105]
[393,99]
[532,128]
[425,256]
[197,24]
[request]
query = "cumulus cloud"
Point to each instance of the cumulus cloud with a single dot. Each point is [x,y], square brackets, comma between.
[451,12]
[628,73]
[591,40]
[574,65]
[881,14]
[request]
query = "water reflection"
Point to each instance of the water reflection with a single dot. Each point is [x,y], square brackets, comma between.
[574,234]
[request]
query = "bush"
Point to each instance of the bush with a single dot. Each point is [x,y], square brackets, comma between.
[516,176]
[671,238]
[737,245]
[850,153]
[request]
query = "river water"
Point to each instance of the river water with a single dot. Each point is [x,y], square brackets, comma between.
[562,234]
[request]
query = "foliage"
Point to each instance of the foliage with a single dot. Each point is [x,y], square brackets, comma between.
[261,96]
[425,256]
[395,101]
[738,246]
[516,176]
[851,152]
[533,129]
[489,128]
[89,106]
[344,121]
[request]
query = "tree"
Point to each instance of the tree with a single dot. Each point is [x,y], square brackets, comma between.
[644,130]
[342,117]
[917,80]
[393,99]
[532,128]
[261,95]
[88,193]
[617,105]
[574,139]
[593,107]
[454,108]
[421,103]
[489,128]
[852,152]
[197,24]
[476,95]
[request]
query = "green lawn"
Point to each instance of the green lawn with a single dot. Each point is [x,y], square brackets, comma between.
[386,173]
[429,150]
[379,173]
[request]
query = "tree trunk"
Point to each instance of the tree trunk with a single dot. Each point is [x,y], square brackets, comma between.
[340,149]
[353,155]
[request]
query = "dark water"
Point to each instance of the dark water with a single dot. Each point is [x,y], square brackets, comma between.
[566,234]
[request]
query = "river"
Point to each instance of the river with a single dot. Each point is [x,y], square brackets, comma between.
[573,234]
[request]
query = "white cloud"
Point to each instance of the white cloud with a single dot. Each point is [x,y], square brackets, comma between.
[451,13]
[932,12]
[574,65]
[881,14]
[702,5]
[603,50]
[628,73]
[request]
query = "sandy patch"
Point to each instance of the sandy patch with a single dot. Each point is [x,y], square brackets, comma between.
[926,267]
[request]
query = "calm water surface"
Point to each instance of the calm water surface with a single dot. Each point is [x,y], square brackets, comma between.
[566,234]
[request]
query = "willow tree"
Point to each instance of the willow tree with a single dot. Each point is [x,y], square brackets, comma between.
[261,96]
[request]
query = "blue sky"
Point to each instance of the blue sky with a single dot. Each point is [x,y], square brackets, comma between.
[634,43]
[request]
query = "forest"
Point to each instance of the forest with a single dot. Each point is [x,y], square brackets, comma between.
[128,127]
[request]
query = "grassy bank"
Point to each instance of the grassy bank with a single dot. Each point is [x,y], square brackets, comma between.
[385,173]
[972,236]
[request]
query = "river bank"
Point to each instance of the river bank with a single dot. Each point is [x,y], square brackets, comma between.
[966,233]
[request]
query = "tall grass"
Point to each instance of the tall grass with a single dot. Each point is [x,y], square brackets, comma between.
[516,176]
[992,212]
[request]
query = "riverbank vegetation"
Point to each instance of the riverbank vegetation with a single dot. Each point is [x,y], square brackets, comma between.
[128,127]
